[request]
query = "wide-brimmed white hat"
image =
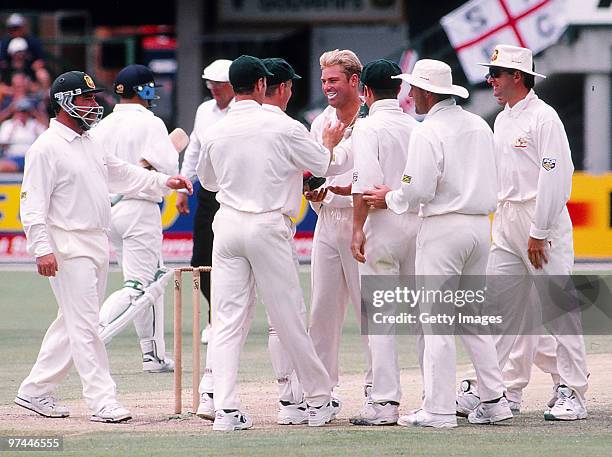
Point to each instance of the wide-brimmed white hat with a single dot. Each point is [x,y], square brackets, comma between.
[513,57]
[217,71]
[433,76]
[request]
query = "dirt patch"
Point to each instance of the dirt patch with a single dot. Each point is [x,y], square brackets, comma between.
[154,413]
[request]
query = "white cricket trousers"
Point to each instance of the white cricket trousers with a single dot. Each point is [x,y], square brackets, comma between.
[454,245]
[390,249]
[136,237]
[257,247]
[508,258]
[334,281]
[78,286]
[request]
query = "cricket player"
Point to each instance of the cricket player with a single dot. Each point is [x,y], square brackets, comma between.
[66,216]
[532,230]
[209,112]
[384,243]
[334,271]
[450,175]
[253,233]
[134,134]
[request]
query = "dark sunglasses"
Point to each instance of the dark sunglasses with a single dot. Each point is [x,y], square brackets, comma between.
[496,72]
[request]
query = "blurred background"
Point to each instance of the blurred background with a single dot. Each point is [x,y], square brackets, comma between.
[178,38]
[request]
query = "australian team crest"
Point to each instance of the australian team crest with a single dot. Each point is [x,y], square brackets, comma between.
[406,179]
[520,143]
[548,164]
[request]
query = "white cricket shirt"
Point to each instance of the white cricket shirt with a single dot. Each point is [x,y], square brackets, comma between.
[534,160]
[450,166]
[208,113]
[380,146]
[252,154]
[66,183]
[132,132]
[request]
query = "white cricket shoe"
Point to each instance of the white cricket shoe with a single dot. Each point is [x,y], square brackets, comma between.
[112,413]
[336,405]
[421,418]
[467,398]
[376,414]
[206,334]
[515,407]
[567,407]
[206,408]
[231,421]
[153,364]
[491,413]
[321,415]
[367,393]
[45,405]
[292,414]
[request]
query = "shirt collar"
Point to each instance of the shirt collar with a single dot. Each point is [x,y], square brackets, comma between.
[245,105]
[441,105]
[224,110]
[63,131]
[521,105]
[273,108]
[132,107]
[387,104]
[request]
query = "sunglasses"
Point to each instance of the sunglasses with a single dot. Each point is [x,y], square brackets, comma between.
[496,72]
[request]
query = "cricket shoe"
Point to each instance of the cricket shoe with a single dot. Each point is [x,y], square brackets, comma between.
[515,407]
[229,420]
[491,413]
[567,407]
[153,364]
[367,393]
[292,413]
[112,414]
[206,334]
[467,398]
[385,413]
[206,408]
[320,415]
[336,405]
[45,405]
[421,418]
[555,396]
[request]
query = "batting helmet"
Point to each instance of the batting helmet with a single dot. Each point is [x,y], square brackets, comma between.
[69,85]
[136,80]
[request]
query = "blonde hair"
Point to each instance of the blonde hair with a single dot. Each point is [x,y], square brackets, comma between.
[348,60]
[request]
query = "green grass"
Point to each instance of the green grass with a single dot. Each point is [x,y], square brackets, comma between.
[28,307]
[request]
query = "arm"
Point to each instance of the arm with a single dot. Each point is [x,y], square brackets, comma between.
[420,178]
[206,172]
[360,214]
[342,158]
[306,153]
[160,152]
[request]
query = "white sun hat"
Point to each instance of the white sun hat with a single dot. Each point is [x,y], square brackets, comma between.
[18,44]
[217,71]
[434,76]
[513,57]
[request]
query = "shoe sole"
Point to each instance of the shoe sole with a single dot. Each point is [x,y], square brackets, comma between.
[210,417]
[27,405]
[491,421]
[233,428]
[110,421]
[550,417]
[368,422]
[291,422]
[320,423]
[410,424]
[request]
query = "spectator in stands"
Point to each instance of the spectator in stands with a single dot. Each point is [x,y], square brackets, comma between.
[20,88]
[17,134]
[20,51]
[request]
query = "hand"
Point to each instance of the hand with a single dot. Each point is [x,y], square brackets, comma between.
[316,196]
[375,198]
[341,190]
[180,182]
[536,250]
[358,245]
[47,265]
[182,203]
[333,134]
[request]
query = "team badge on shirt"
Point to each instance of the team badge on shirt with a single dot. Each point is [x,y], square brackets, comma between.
[23,195]
[355,176]
[520,143]
[548,164]
[406,179]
